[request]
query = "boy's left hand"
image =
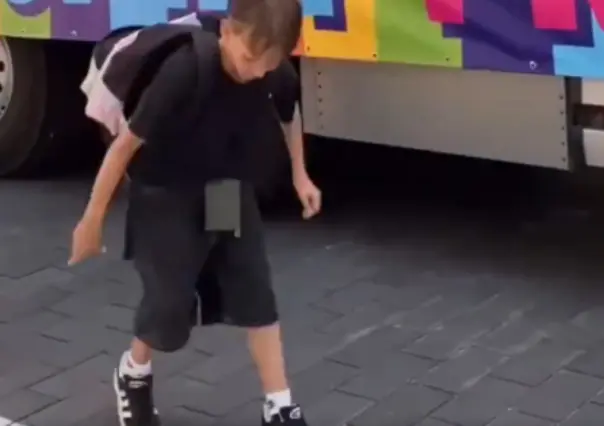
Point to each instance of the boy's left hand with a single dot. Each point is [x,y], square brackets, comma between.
[308,193]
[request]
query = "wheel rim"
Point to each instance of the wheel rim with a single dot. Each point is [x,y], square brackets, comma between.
[6,76]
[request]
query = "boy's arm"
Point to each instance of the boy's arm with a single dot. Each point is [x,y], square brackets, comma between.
[294,137]
[111,173]
[286,95]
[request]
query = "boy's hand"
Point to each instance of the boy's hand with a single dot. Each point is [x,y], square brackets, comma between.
[86,240]
[308,193]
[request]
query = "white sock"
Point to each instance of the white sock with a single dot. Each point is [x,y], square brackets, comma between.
[276,401]
[130,368]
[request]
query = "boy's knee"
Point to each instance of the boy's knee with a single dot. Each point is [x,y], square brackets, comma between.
[166,329]
[166,343]
[163,338]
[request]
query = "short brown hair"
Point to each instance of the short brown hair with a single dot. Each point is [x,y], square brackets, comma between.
[273,23]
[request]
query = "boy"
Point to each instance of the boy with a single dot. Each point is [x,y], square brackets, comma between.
[195,132]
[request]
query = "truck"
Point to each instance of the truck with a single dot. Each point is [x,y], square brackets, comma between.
[517,81]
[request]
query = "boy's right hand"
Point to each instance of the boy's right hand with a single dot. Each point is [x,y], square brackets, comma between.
[86,240]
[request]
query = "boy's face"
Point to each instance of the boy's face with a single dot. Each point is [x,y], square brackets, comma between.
[242,58]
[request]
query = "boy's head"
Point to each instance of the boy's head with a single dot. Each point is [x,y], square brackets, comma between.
[258,34]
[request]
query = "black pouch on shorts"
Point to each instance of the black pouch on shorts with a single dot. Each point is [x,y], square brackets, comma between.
[223,206]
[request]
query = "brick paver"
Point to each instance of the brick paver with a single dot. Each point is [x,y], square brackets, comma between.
[406,315]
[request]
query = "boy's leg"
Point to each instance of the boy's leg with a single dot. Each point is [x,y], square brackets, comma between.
[266,348]
[249,302]
[267,351]
[168,247]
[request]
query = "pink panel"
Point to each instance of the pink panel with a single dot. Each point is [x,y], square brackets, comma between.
[445,11]
[555,14]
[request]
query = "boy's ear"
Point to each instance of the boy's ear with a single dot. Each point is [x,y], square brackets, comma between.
[227,26]
[223,26]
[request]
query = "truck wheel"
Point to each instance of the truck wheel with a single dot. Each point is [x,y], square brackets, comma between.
[22,102]
[43,129]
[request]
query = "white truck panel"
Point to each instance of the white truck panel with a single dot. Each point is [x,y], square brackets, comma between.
[592,93]
[501,116]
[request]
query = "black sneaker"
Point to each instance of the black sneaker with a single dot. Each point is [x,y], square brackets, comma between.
[135,400]
[290,416]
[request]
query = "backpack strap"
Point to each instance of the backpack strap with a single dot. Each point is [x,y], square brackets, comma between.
[200,42]
[146,64]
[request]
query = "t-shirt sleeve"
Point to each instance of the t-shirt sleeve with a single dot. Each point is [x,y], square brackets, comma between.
[170,87]
[285,89]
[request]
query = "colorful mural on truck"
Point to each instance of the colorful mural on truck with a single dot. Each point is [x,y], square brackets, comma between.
[549,37]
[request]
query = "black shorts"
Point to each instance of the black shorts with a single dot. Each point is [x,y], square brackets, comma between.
[192,276]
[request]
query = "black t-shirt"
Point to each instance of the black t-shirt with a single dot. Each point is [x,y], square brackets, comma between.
[198,124]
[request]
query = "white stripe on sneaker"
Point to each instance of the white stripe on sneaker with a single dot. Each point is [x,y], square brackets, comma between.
[122,402]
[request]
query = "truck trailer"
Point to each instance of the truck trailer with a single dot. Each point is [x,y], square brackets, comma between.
[517,81]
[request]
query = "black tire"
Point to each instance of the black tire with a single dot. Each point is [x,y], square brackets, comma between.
[21,124]
[43,129]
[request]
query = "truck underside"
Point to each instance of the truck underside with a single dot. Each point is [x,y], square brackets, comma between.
[547,121]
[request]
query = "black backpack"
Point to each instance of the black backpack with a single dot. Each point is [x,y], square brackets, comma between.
[130,74]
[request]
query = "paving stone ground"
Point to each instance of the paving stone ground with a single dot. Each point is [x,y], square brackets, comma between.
[397,310]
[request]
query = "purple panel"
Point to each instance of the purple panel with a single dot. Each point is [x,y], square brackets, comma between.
[501,36]
[337,22]
[82,22]
[88,22]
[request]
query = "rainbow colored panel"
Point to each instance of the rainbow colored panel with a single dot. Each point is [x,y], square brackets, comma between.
[548,37]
